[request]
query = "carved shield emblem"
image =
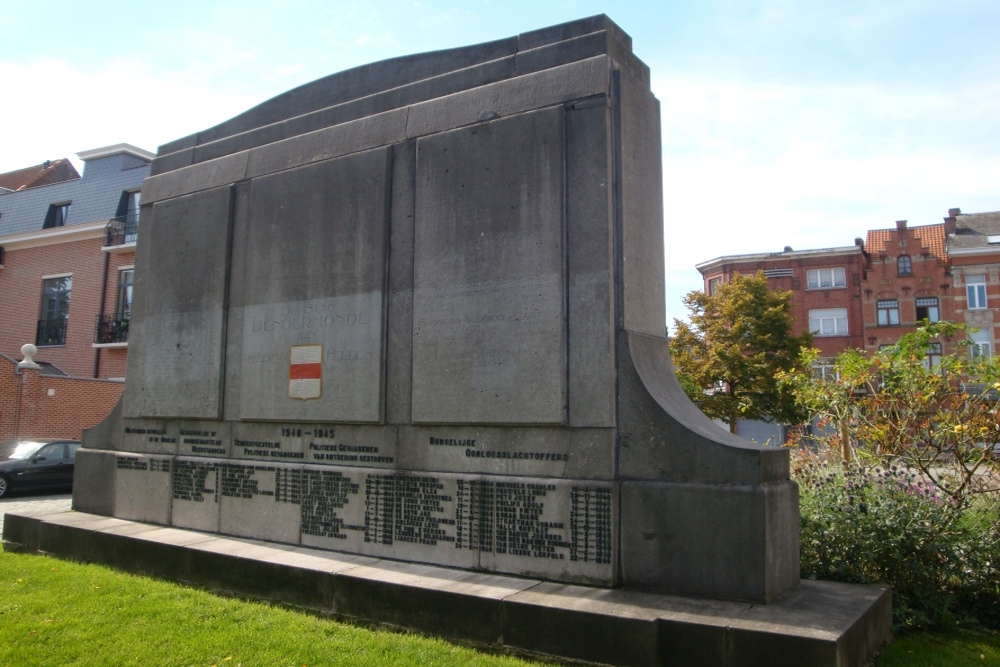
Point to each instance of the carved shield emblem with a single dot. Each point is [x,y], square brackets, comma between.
[305,372]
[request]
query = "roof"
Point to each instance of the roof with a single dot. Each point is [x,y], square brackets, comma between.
[931,237]
[45,173]
[771,256]
[973,230]
[94,197]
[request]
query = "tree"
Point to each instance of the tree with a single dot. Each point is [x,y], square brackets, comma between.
[908,406]
[729,356]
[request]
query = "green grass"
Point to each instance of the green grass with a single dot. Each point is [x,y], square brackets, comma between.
[952,648]
[55,612]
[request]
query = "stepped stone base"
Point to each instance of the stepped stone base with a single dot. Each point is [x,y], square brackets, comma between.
[818,623]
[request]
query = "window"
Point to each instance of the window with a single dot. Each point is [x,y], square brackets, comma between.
[54,311]
[825,278]
[57,215]
[888,312]
[825,370]
[828,322]
[904,265]
[713,285]
[927,309]
[980,343]
[132,205]
[124,304]
[975,291]
[933,358]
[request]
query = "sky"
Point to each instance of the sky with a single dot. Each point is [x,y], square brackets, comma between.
[796,123]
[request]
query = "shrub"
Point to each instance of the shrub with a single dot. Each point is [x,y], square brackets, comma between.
[941,555]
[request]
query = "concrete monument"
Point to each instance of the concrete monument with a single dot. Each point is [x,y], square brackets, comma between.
[415,311]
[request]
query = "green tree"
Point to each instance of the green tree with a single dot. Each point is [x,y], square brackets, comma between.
[938,415]
[729,356]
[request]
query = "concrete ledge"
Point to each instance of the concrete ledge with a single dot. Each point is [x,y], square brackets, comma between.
[818,623]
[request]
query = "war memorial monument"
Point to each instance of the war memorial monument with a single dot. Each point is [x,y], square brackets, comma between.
[398,353]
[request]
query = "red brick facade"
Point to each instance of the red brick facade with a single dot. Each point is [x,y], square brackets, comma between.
[891,282]
[805,274]
[22,275]
[43,406]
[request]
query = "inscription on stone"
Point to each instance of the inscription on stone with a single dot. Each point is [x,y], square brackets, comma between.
[489,326]
[314,239]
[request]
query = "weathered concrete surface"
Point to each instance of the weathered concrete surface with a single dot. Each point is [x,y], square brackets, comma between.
[821,624]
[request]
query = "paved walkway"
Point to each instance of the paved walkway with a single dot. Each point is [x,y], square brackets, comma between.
[59,502]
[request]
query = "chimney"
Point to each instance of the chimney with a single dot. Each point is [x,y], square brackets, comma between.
[950,223]
[901,225]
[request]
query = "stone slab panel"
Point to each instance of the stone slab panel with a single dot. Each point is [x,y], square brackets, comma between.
[108,433]
[143,488]
[194,178]
[489,326]
[524,451]
[175,363]
[751,551]
[558,85]
[196,486]
[204,438]
[641,208]
[260,500]
[150,436]
[399,325]
[457,605]
[590,265]
[583,624]
[94,481]
[362,134]
[312,301]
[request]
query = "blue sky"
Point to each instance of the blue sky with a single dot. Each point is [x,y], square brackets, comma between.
[800,123]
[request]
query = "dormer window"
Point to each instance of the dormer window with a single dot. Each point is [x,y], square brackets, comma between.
[57,215]
[904,265]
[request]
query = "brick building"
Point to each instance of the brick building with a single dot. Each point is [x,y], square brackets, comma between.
[67,250]
[973,242]
[871,294]
[826,284]
[907,281]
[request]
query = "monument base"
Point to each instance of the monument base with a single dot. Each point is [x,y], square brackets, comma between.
[818,623]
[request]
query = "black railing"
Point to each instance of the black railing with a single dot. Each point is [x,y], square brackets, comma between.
[122,229]
[51,332]
[112,328]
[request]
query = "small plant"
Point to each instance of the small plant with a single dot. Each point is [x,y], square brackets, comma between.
[861,524]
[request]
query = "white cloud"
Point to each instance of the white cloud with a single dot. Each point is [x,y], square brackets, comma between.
[59,110]
[752,166]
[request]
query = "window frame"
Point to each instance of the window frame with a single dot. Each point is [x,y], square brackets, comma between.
[834,315]
[837,278]
[57,215]
[975,292]
[904,265]
[887,312]
[982,345]
[54,308]
[936,306]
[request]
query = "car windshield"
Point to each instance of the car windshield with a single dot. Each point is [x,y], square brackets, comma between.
[19,450]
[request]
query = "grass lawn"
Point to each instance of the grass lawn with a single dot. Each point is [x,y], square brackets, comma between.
[55,612]
[951,648]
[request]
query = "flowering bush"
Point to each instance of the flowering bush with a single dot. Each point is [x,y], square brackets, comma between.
[940,554]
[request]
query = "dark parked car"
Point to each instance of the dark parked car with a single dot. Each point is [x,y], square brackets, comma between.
[37,463]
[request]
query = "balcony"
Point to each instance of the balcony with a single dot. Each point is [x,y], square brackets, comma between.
[121,232]
[112,330]
[51,332]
